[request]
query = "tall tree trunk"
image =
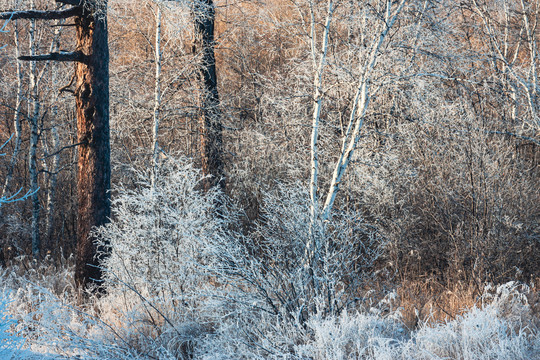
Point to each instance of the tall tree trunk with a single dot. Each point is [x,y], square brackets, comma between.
[33,120]
[94,172]
[211,130]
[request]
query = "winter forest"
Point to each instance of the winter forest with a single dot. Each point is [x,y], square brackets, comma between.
[269,179]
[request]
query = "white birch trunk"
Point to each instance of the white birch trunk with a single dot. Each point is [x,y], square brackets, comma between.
[532,89]
[311,245]
[360,104]
[53,180]
[55,166]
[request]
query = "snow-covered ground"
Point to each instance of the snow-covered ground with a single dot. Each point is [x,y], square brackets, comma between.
[500,327]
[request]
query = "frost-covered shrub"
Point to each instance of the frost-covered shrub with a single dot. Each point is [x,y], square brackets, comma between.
[9,343]
[501,328]
[155,237]
[157,243]
[272,265]
[271,288]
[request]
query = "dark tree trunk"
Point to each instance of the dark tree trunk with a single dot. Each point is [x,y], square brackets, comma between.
[94,171]
[209,118]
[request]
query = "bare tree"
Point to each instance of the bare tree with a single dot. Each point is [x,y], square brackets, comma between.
[16,113]
[34,106]
[387,12]
[92,101]
[157,92]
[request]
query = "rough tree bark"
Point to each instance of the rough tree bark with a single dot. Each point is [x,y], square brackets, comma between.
[94,170]
[210,127]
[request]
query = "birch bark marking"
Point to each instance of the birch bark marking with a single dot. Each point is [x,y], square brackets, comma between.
[319,63]
[94,172]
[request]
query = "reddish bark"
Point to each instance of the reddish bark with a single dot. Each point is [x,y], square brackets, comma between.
[92,99]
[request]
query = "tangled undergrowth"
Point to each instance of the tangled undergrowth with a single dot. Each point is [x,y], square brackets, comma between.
[184,284]
[503,324]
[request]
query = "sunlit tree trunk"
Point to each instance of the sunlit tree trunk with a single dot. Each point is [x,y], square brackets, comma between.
[318,57]
[53,180]
[94,172]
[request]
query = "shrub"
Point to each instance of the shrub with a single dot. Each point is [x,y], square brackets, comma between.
[9,343]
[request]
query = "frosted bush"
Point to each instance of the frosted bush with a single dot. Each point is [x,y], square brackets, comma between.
[499,329]
[351,337]
[155,237]
[9,343]
[269,292]
[155,275]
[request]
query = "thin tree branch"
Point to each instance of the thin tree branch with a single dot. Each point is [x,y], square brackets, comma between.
[41,14]
[63,25]
[66,88]
[62,149]
[56,56]
[70,2]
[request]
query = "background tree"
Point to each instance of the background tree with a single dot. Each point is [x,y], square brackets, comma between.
[210,118]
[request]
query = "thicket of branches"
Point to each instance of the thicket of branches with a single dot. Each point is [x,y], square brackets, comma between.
[440,187]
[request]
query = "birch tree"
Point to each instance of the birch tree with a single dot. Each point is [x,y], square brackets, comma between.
[511,32]
[33,120]
[16,113]
[322,201]
[157,92]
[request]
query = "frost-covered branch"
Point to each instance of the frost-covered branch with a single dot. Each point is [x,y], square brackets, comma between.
[359,107]
[5,199]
